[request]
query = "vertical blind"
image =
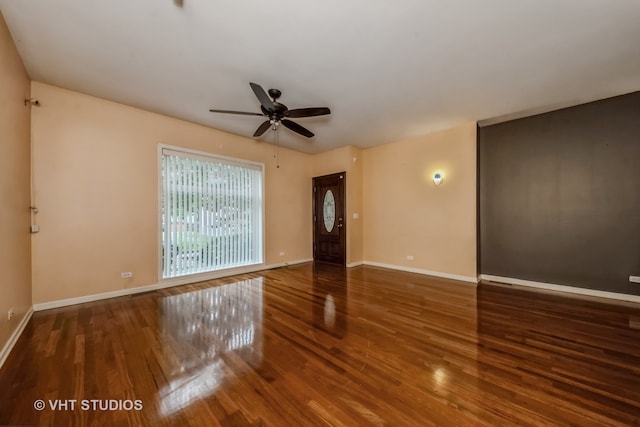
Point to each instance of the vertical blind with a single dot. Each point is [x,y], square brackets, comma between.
[211,213]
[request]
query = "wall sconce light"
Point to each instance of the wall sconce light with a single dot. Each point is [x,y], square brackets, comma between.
[437,178]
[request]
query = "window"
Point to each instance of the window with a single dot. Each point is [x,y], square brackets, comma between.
[211,213]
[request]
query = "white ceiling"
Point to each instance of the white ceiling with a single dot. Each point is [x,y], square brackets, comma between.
[388,70]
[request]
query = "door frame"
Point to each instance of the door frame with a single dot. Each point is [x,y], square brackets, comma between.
[315,223]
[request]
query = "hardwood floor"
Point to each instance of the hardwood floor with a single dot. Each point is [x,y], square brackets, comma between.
[324,345]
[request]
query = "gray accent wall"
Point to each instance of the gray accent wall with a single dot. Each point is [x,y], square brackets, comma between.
[559,196]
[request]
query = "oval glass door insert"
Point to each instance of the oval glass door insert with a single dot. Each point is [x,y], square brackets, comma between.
[329,211]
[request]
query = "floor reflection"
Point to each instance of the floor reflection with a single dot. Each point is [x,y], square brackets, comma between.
[330,299]
[201,326]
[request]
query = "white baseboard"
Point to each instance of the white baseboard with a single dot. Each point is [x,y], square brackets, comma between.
[562,288]
[468,279]
[355,264]
[224,273]
[163,284]
[285,264]
[95,297]
[13,339]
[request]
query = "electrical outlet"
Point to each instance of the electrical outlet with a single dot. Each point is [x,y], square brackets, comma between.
[281,253]
[410,257]
[126,275]
[634,279]
[10,313]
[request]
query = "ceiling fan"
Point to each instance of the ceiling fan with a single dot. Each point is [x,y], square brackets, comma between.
[277,113]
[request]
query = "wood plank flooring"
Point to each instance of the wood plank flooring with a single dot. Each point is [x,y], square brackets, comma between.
[323,345]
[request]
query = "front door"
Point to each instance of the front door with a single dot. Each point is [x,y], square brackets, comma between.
[329,231]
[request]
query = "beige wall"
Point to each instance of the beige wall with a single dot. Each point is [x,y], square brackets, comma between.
[95,183]
[15,244]
[346,159]
[406,214]
[95,168]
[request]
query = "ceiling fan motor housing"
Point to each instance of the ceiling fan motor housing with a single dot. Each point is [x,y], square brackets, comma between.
[278,112]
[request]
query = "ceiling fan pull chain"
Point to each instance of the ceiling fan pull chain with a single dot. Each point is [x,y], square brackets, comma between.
[277,150]
[274,142]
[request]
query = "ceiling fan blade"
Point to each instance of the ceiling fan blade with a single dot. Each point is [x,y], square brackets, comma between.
[245,113]
[262,128]
[262,96]
[308,112]
[297,128]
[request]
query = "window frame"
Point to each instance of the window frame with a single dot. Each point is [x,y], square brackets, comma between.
[200,276]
